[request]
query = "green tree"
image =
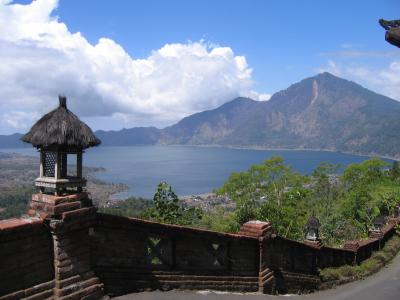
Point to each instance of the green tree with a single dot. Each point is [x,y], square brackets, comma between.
[14,202]
[395,171]
[168,210]
[358,206]
[267,180]
[388,201]
[166,204]
[290,216]
[346,205]
[325,189]
[270,191]
[130,207]
[365,173]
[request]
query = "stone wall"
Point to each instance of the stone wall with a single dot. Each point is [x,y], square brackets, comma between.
[134,255]
[26,259]
[48,255]
[78,254]
[295,264]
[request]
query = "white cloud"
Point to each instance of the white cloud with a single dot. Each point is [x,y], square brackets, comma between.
[258,96]
[40,58]
[331,67]
[353,53]
[17,120]
[384,80]
[264,97]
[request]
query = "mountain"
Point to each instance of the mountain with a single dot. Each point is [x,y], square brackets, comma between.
[11,141]
[222,126]
[321,112]
[129,137]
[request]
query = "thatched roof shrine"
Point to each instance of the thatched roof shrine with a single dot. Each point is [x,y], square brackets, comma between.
[61,128]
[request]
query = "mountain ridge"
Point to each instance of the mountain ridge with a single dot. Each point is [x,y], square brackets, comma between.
[323,112]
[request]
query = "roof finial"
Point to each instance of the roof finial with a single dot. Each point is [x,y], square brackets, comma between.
[63,101]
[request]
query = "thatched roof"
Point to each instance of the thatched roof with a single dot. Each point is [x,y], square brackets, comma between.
[60,128]
[393,36]
[392,28]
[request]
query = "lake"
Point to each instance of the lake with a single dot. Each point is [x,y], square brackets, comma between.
[190,170]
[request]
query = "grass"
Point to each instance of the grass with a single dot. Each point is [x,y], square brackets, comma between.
[369,266]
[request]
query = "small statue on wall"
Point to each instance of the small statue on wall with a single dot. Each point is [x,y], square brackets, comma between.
[313,228]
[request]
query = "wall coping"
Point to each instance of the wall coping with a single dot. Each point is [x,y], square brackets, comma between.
[187,229]
[19,223]
[356,245]
[22,223]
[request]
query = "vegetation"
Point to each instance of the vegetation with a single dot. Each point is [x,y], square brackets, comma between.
[166,208]
[346,205]
[13,202]
[131,207]
[367,267]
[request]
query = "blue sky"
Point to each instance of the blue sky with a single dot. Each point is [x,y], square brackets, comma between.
[283,41]
[140,63]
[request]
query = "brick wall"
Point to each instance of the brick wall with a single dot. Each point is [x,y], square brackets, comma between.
[26,259]
[128,255]
[295,264]
[134,255]
[335,257]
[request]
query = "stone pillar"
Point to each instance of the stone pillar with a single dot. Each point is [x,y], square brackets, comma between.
[71,219]
[58,165]
[41,168]
[263,231]
[57,171]
[79,167]
[74,278]
[79,164]
[52,206]
[352,246]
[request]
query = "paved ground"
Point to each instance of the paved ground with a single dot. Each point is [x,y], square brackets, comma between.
[384,285]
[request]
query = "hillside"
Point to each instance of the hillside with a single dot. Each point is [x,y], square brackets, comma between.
[320,112]
[129,137]
[12,141]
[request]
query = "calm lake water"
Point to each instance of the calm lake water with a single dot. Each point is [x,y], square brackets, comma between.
[190,170]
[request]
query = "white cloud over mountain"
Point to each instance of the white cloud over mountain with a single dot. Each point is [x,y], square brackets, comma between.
[40,58]
[385,80]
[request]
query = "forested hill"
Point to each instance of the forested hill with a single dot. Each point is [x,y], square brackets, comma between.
[320,112]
